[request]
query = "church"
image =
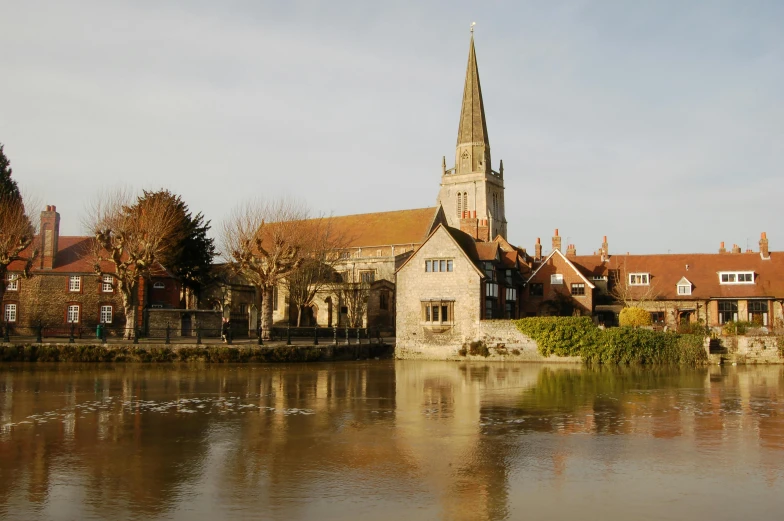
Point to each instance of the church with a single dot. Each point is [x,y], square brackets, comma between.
[469,206]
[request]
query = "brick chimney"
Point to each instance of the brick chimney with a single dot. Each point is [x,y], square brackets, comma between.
[735,248]
[538,249]
[556,241]
[722,249]
[571,251]
[483,231]
[605,251]
[50,234]
[763,244]
[469,224]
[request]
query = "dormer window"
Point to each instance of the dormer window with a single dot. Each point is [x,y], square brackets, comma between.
[639,279]
[684,286]
[736,277]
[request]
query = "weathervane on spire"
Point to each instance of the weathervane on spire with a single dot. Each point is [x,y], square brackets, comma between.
[472,27]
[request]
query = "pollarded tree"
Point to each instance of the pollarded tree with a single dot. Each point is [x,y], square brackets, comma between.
[132,234]
[263,242]
[354,292]
[17,230]
[321,246]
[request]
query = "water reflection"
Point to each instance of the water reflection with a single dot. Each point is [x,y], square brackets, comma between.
[385,440]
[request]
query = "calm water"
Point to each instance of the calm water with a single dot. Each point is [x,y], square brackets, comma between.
[390,440]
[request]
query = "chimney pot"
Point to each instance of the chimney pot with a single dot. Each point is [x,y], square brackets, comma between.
[556,232]
[764,235]
[538,240]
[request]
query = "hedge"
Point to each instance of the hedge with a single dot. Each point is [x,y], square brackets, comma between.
[578,336]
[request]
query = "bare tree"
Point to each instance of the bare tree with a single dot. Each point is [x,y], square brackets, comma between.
[321,244]
[263,242]
[630,293]
[131,234]
[17,238]
[354,291]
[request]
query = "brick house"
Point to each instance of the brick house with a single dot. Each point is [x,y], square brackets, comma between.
[707,288]
[64,288]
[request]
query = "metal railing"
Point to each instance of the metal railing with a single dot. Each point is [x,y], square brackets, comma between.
[101,333]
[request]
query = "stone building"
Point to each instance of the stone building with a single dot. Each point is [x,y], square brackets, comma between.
[64,288]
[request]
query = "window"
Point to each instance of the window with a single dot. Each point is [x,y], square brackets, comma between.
[489,270]
[13,282]
[367,277]
[758,312]
[72,314]
[511,294]
[491,290]
[639,279]
[491,305]
[459,205]
[465,201]
[684,289]
[728,311]
[10,313]
[344,255]
[379,253]
[435,265]
[657,317]
[106,314]
[536,289]
[383,300]
[437,311]
[736,277]
[510,309]
[107,284]
[578,289]
[75,283]
[556,278]
[159,285]
[243,309]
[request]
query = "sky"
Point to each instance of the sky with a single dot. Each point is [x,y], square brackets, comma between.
[657,123]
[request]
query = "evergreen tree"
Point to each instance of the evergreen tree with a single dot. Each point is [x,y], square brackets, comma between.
[9,191]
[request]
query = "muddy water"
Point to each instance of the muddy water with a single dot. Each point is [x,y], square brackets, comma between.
[390,440]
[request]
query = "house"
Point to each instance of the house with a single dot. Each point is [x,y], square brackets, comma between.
[449,285]
[64,288]
[705,288]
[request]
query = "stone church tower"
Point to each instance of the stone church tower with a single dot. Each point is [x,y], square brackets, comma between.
[471,193]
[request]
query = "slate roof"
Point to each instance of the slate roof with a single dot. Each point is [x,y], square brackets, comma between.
[74,255]
[473,125]
[701,269]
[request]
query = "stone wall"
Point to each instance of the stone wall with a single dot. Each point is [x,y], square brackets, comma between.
[752,349]
[183,322]
[45,297]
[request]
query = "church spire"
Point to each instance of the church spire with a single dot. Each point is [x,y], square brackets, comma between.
[473,127]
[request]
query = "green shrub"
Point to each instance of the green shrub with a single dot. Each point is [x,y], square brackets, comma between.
[634,317]
[736,327]
[578,336]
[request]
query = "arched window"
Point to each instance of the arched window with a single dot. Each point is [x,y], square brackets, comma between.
[459,205]
[465,201]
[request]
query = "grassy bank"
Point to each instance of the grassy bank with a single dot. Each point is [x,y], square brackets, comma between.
[217,354]
[578,336]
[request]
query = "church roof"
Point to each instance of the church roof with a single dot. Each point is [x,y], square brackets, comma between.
[473,127]
[387,228]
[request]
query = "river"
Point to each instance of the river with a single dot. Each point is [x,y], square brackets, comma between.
[390,440]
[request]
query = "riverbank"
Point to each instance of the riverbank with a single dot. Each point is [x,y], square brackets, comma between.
[163,353]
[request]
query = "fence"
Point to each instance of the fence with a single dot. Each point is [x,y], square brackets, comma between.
[100,333]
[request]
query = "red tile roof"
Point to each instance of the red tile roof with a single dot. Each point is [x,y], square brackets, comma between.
[74,255]
[701,269]
[387,228]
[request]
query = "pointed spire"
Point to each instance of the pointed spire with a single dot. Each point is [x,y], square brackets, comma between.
[473,127]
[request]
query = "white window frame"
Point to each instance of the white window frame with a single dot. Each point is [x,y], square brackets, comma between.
[684,289]
[733,277]
[491,289]
[72,314]
[556,278]
[74,283]
[107,284]
[12,280]
[577,285]
[158,285]
[107,311]
[10,313]
[639,279]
